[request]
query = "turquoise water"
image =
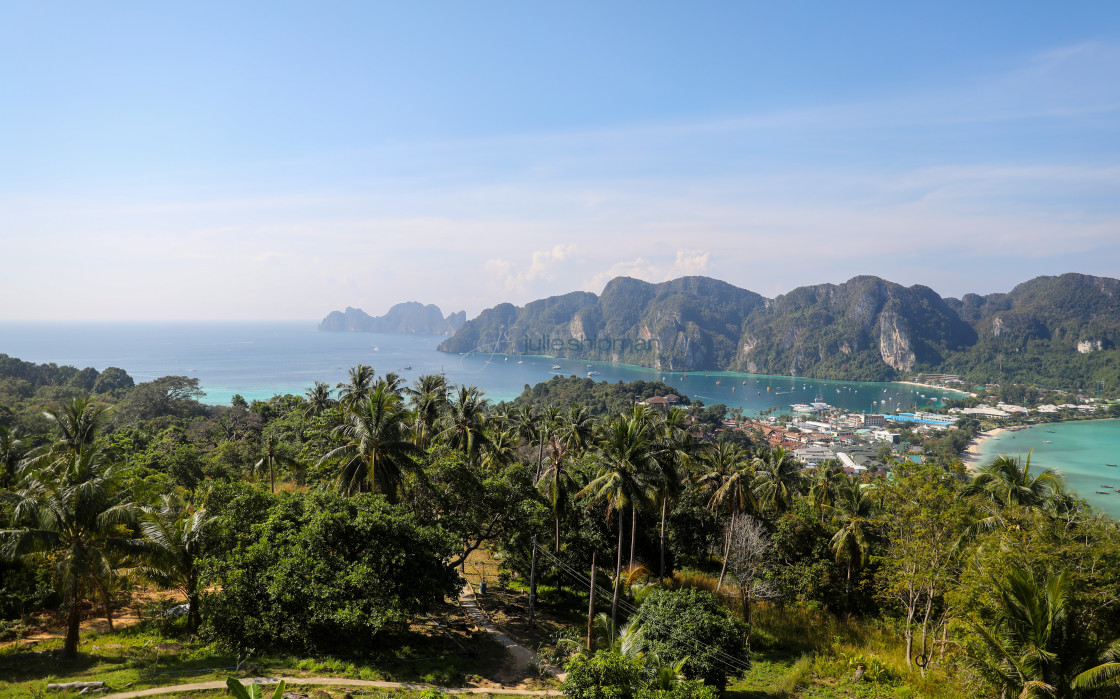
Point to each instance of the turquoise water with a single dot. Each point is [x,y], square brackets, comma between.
[1079,450]
[261,359]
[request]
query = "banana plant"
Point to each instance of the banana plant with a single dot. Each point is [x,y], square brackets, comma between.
[239,691]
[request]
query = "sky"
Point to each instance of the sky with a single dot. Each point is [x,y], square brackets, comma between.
[280,160]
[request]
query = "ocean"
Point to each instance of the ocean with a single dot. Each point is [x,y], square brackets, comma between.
[261,359]
[1080,451]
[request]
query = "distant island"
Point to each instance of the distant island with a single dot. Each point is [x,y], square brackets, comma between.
[1061,330]
[409,318]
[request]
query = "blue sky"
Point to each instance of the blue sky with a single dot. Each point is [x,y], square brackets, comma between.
[282,160]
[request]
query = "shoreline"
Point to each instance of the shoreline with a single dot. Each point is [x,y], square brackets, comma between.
[971,457]
[935,387]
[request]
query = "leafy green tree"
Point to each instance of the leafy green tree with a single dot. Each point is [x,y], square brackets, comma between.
[73,512]
[320,572]
[923,519]
[690,623]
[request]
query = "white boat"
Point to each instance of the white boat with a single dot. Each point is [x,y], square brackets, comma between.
[592,373]
[555,367]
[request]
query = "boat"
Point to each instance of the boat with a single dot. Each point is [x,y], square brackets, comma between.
[1103,492]
[1047,442]
[555,367]
[1112,465]
[376,348]
[408,367]
[520,362]
[1105,485]
[592,373]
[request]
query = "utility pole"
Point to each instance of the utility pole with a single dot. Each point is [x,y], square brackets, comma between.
[591,605]
[533,583]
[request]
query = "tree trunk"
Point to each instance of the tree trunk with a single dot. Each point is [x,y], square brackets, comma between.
[557,532]
[617,578]
[73,623]
[633,533]
[540,459]
[591,607]
[848,587]
[925,627]
[271,478]
[664,508]
[726,552]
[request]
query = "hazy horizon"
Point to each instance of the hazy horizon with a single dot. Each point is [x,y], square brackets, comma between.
[275,162]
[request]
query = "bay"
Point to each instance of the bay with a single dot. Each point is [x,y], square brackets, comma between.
[261,359]
[1079,450]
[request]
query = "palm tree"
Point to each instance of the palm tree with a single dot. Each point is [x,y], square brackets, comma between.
[428,398]
[1034,647]
[1008,482]
[318,400]
[172,547]
[624,460]
[353,392]
[70,510]
[272,456]
[779,480]
[11,453]
[852,542]
[393,382]
[674,449]
[824,486]
[729,477]
[375,449]
[77,424]
[465,423]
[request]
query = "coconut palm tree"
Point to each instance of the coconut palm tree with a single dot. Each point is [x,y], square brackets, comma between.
[353,391]
[1033,646]
[78,423]
[674,449]
[11,453]
[318,400]
[464,426]
[1008,482]
[852,542]
[428,399]
[271,456]
[70,510]
[779,480]
[375,448]
[825,483]
[624,462]
[172,547]
[728,478]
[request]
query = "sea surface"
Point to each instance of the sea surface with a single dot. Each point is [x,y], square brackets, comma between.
[261,359]
[1080,451]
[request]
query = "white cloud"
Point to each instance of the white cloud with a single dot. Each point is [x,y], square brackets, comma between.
[686,263]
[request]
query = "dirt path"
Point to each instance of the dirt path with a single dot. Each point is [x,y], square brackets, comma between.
[339,682]
[521,658]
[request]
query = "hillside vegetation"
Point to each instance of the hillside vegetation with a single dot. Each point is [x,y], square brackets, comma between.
[1060,332]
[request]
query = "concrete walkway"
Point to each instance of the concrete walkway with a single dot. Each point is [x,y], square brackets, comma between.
[522,656]
[333,681]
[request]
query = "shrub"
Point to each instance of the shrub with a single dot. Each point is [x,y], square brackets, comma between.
[690,623]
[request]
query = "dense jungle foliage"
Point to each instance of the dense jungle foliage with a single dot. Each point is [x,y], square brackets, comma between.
[332,520]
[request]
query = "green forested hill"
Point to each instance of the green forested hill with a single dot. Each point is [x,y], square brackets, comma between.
[1062,331]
